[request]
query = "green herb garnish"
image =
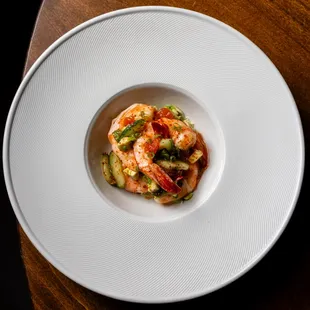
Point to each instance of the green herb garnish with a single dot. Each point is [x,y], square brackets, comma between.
[117,134]
[147,179]
[163,154]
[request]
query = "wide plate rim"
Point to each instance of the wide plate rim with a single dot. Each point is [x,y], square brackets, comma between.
[22,87]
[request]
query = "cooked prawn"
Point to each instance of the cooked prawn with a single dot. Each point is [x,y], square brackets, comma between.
[134,112]
[144,150]
[190,182]
[135,186]
[183,136]
[201,145]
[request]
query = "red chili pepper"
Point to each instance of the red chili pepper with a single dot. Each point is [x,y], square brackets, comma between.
[164,112]
[161,129]
[128,120]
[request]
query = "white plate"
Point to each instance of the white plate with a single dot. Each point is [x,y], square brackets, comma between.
[119,244]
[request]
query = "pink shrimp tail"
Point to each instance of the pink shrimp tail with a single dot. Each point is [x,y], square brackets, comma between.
[164,181]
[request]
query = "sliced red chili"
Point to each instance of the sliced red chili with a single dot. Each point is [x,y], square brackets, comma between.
[161,129]
[164,112]
[128,120]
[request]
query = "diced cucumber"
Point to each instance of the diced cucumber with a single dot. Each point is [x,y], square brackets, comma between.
[177,165]
[132,129]
[125,144]
[133,174]
[189,196]
[117,170]
[170,201]
[153,187]
[116,134]
[195,156]
[166,144]
[177,112]
[106,171]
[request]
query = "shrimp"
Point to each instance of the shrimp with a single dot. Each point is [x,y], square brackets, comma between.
[127,158]
[144,150]
[190,182]
[134,112]
[201,145]
[183,136]
[135,186]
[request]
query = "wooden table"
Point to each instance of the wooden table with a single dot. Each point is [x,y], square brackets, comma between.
[281,28]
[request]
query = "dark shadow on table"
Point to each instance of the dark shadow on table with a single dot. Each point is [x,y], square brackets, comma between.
[16,33]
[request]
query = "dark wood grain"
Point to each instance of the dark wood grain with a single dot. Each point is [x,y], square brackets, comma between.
[281,28]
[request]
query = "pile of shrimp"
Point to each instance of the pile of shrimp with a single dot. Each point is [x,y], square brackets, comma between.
[159,124]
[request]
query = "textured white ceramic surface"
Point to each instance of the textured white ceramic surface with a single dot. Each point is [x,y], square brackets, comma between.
[85,231]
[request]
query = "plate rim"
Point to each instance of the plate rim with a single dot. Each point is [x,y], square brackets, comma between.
[10,118]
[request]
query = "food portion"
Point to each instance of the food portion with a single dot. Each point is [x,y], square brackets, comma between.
[156,153]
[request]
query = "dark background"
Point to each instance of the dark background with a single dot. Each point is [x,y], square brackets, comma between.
[281,278]
[17,23]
